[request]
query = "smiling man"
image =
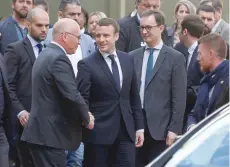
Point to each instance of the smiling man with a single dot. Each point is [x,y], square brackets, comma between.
[19,59]
[108,83]
[162,82]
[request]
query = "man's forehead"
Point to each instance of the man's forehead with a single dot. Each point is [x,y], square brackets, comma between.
[73,8]
[147,20]
[204,13]
[155,2]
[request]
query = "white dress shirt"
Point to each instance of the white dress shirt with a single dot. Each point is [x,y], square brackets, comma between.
[190,51]
[109,63]
[34,45]
[82,30]
[75,58]
[216,25]
[156,52]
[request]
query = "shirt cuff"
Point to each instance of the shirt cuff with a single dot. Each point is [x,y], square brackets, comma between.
[19,114]
[190,127]
[140,130]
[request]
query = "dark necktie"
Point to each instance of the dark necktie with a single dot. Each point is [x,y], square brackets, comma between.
[149,68]
[40,47]
[115,72]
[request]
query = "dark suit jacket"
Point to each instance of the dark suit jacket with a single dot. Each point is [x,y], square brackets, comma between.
[19,59]
[165,94]
[58,110]
[130,37]
[194,75]
[107,104]
[4,115]
[8,33]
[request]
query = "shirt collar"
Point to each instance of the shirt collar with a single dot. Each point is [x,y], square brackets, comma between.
[138,17]
[157,47]
[32,41]
[192,48]
[216,25]
[55,43]
[82,30]
[105,55]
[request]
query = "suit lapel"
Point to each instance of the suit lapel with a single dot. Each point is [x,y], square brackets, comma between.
[158,63]
[219,28]
[138,65]
[103,65]
[123,69]
[11,28]
[29,50]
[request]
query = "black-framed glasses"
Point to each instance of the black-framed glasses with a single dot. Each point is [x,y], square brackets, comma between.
[147,28]
[78,37]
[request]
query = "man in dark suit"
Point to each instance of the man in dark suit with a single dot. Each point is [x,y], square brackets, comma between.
[130,37]
[162,83]
[58,111]
[212,59]
[192,28]
[19,59]
[72,9]
[14,28]
[107,81]
[4,114]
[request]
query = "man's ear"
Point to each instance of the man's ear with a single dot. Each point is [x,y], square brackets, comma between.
[60,15]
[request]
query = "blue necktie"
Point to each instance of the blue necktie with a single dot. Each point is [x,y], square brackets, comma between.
[149,66]
[40,47]
[115,72]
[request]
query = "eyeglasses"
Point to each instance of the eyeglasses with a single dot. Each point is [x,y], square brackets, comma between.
[78,37]
[147,28]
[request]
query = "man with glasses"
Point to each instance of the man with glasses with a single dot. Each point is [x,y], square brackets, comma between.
[162,76]
[58,111]
[72,9]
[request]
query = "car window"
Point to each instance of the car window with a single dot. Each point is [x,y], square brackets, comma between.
[208,148]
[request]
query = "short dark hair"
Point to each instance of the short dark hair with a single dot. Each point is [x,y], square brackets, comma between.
[194,25]
[205,8]
[43,3]
[64,3]
[108,22]
[139,1]
[159,16]
[215,42]
[217,4]
[204,2]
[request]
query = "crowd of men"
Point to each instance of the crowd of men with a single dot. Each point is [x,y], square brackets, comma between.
[95,92]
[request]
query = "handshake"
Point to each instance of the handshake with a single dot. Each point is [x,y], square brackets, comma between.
[91,121]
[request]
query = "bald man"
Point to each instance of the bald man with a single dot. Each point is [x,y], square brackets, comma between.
[58,111]
[19,58]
